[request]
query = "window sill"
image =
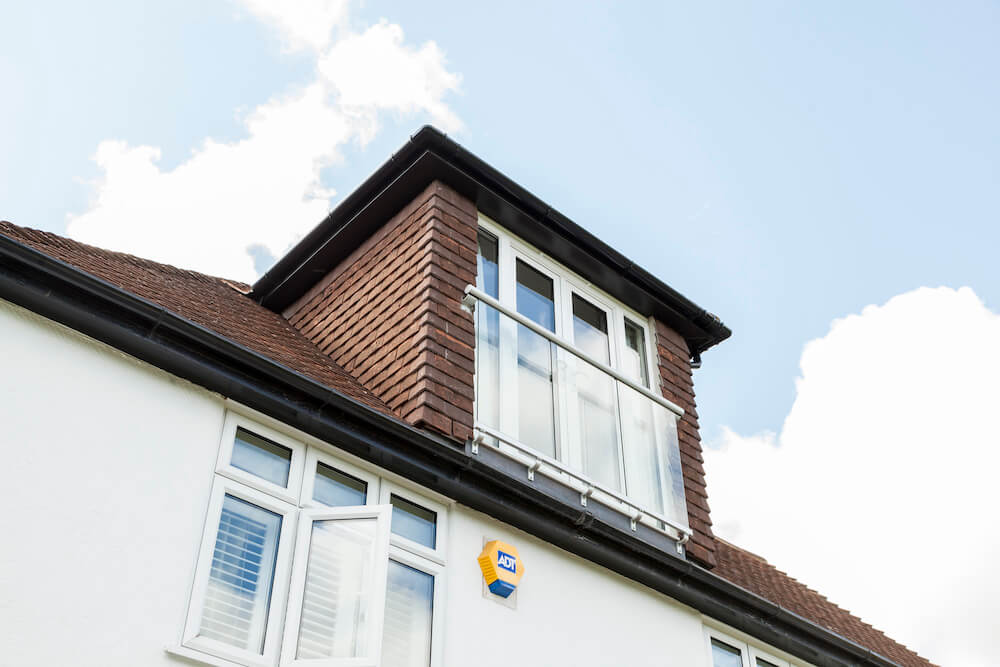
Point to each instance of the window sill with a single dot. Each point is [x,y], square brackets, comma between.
[200,658]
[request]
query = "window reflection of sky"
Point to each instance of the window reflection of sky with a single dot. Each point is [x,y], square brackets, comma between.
[241,573]
[409,606]
[261,457]
[414,522]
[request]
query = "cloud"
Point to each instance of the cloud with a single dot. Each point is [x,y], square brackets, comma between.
[232,202]
[881,487]
[303,24]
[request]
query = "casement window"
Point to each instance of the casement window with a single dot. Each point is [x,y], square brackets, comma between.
[727,651]
[308,559]
[551,399]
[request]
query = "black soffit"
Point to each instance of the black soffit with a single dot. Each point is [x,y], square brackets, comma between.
[430,155]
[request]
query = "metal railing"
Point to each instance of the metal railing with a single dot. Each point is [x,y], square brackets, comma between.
[644,445]
[479,438]
[475,293]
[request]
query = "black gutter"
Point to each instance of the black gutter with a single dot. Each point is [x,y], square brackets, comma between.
[430,155]
[149,332]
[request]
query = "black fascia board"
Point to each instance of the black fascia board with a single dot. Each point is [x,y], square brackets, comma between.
[151,333]
[430,155]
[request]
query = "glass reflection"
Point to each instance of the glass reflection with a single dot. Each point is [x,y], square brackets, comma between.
[338,489]
[488,334]
[536,405]
[338,590]
[595,393]
[413,522]
[240,579]
[724,655]
[261,457]
[409,605]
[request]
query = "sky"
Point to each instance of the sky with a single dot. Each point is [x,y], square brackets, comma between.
[824,177]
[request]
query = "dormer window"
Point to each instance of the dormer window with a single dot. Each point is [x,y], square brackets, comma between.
[563,374]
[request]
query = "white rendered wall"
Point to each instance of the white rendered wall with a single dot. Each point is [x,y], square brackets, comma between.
[568,611]
[106,468]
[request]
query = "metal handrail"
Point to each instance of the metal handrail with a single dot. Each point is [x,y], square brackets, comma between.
[473,292]
[589,485]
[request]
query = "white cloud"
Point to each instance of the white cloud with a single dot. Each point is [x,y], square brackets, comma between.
[303,24]
[263,192]
[395,77]
[880,490]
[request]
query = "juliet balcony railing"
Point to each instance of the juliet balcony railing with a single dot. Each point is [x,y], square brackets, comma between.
[546,403]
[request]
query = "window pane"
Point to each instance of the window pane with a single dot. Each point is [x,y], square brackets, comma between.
[409,605]
[595,394]
[239,583]
[488,278]
[488,335]
[534,296]
[413,522]
[724,655]
[646,467]
[590,329]
[338,588]
[261,457]
[761,662]
[536,416]
[338,489]
[634,363]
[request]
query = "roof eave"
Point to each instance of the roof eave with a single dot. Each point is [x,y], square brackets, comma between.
[430,154]
[68,295]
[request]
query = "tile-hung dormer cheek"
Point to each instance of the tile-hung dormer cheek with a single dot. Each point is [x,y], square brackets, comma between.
[564,385]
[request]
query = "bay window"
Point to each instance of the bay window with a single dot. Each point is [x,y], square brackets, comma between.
[308,559]
[553,399]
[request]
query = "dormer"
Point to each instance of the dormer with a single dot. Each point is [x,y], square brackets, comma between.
[478,312]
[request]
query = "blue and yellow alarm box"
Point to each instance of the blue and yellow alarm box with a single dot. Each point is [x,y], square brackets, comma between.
[502,567]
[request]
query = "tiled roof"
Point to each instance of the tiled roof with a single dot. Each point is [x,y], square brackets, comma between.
[756,575]
[223,306]
[214,303]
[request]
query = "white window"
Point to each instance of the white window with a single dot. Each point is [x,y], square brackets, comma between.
[308,559]
[727,651]
[551,400]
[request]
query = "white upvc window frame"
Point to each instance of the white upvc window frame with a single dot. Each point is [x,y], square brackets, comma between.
[510,249]
[383,517]
[436,555]
[296,506]
[749,651]
[315,456]
[423,558]
[224,466]
[435,569]
[222,487]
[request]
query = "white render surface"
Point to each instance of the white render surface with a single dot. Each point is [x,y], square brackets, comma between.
[568,611]
[107,467]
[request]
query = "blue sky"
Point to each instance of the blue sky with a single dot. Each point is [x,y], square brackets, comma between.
[783,164]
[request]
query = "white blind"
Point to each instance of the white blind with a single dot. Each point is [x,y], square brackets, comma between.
[338,590]
[409,600]
[239,584]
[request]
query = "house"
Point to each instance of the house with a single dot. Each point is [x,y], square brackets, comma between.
[449,427]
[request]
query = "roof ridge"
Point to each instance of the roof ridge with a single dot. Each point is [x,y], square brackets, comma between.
[57,240]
